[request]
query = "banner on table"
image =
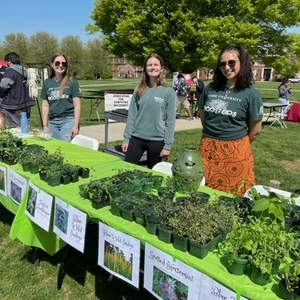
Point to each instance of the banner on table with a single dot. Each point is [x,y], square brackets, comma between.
[168,279]
[3,181]
[212,290]
[39,206]
[119,254]
[69,224]
[117,100]
[16,186]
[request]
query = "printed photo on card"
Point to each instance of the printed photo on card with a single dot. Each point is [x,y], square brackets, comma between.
[119,254]
[69,224]
[39,206]
[168,279]
[16,185]
[3,180]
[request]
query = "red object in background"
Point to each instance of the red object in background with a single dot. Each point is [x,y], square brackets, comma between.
[293,114]
[3,63]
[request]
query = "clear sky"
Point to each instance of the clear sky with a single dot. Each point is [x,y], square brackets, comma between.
[56,17]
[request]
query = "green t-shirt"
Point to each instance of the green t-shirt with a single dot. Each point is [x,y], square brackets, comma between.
[227,111]
[152,116]
[60,106]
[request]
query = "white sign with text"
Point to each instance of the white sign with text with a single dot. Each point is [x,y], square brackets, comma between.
[117,100]
[119,254]
[39,206]
[69,224]
[168,279]
[3,180]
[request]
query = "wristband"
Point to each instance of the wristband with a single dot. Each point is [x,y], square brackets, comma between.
[45,125]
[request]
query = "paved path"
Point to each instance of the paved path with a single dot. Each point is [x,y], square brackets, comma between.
[115,130]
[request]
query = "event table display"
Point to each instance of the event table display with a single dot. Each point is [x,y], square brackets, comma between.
[104,165]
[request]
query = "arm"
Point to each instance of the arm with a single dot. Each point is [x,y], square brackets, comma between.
[77,110]
[254,128]
[45,111]
[202,117]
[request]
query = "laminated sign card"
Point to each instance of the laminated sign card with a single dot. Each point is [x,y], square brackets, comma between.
[16,185]
[119,254]
[69,224]
[39,206]
[3,180]
[168,279]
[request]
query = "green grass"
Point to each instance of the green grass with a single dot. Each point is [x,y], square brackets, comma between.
[276,151]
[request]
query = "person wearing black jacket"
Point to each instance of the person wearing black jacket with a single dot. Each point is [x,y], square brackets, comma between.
[199,89]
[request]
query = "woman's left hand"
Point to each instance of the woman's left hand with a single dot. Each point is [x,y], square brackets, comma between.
[74,131]
[164,153]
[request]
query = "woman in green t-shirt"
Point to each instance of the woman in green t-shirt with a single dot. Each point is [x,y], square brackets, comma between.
[61,101]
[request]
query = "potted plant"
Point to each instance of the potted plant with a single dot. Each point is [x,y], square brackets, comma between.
[53,175]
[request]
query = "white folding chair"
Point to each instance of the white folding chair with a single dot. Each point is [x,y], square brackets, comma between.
[166,168]
[85,141]
[279,116]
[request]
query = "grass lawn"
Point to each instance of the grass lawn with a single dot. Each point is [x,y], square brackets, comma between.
[276,151]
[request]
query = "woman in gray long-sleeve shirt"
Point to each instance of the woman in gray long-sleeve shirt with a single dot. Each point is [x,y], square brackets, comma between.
[151,116]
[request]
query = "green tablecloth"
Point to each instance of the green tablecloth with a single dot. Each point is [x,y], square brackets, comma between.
[30,234]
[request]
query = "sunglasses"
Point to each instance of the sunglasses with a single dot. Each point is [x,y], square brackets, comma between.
[231,63]
[58,63]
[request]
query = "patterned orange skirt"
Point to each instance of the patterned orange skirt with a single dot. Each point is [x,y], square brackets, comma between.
[228,165]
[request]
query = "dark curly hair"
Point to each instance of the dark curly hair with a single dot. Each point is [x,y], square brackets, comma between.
[245,76]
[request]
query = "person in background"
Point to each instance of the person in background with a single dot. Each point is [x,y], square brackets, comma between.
[284,91]
[199,89]
[181,88]
[231,112]
[15,92]
[151,116]
[3,67]
[61,101]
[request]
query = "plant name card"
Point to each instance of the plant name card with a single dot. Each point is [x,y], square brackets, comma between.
[16,185]
[119,254]
[39,206]
[167,279]
[3,180]
[212,290]
[69,224]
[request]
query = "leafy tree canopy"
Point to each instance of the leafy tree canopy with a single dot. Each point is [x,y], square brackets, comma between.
[189,34]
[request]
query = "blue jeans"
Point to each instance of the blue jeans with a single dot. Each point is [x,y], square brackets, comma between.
[60,128]
[283,101]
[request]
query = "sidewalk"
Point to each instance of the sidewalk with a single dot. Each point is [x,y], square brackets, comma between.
[115,130]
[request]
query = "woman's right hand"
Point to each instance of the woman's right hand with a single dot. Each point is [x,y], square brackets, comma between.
[46,129]
[124,147]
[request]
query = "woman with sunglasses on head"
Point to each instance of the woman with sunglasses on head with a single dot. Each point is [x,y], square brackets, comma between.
[61,101]
[151,115]
[231,112]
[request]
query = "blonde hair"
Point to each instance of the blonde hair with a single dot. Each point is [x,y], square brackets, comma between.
[145,82]
[66,76]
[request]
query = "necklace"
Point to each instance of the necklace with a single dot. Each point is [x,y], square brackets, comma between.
[227,92]
[56,79]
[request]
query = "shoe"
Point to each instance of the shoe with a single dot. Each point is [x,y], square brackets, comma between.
[191,118]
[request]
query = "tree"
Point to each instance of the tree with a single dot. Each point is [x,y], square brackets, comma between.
[15,42]
[42,46]
[97,59]
[190,34]
[126,70]
[72,47]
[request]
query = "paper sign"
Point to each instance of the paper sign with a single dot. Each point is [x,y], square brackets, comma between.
[119,254]
[39,206]
[212,290]
[3,180]
[167,279]
[16,185]
[69,224]
[117,100]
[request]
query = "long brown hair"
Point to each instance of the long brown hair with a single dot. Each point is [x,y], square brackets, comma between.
[145,82]
[66,76]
